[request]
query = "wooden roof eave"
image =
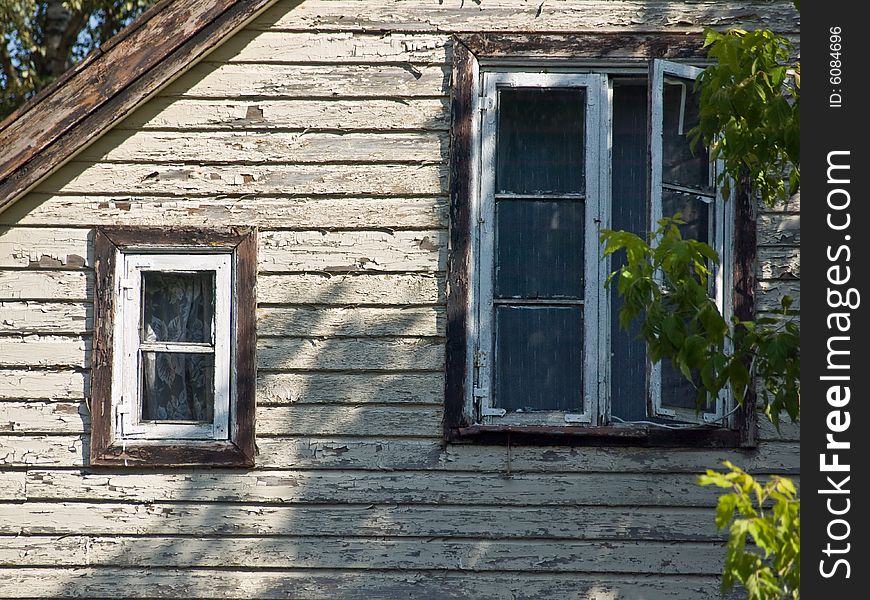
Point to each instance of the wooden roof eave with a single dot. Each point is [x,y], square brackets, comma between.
[87,101]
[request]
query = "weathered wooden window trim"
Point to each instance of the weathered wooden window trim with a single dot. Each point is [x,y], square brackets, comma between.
[469,52]
[238,450]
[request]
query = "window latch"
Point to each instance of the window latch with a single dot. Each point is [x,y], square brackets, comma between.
[125,285]
[487,103]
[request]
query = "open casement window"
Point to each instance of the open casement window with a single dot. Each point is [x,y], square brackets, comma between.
[683,183]
[542,159]
[173,373]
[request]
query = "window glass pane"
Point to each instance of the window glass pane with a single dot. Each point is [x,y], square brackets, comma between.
[677,391]
[692,209]
[540,141]
[630,212]
[539,358]
[177,386]
[539,249]
[177,307]
[682,164]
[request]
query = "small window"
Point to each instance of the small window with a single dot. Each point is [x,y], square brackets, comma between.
[173,377]
[541,161]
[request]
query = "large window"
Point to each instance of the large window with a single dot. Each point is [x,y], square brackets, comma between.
[555,155]
[173,376]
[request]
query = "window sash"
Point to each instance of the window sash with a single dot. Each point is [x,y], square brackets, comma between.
[721,219]
[594,363]
[128,364]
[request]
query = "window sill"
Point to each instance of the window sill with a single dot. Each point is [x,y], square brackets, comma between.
[177,454]
[695,437]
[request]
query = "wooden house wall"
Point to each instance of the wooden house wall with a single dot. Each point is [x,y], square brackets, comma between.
[325,124]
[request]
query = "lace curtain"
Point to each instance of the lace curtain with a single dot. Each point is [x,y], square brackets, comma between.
[178,308]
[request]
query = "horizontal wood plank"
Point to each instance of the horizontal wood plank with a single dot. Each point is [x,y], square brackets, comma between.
[204,147]
[356,553]
[349,388]
[351,288]
[395,454]
[35,417]
[779,229]
[326,584]
[46,285]
[282,251]
[263,47]
[215,80]
[485,522]
[350,321]
[520,16]
[48,385]
[45,248]
[350,354]
[46,317]
[769,294]
[779,262]
[12,486]
[355,487]
[347,115]
[347,180]
[260,211]
[45,351]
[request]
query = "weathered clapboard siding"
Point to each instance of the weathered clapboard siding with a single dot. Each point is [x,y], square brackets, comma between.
[520,16]
[324,584]
[299,213]
[369,288]
[485,522]
[46,285]
[779,229]
[295,552]
[325,126]
[350,354]
[45,248]
[209,80]
[281,251]
[263,47]
[769,294]
[267,147]
[72,318]
[45,351]
[341,179]
[410,487]
[47,385]
[398,454]
[779,262]
[332,322]
[266,114]
[45,317]
[373,420]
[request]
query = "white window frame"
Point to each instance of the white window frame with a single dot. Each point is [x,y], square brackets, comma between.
[127,365]
[721,225]
[483,213]
[598,127]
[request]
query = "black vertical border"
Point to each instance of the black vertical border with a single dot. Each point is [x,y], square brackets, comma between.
[827,128]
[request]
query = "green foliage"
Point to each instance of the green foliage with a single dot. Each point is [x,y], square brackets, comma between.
[750,111]
[667,286]
[41,40]
[768,514]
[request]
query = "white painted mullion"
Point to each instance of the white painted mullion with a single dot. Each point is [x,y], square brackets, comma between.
[131,297]
[221,335]
[604,263]
[596,110]
[484,387]
[473,319]
[656,102]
